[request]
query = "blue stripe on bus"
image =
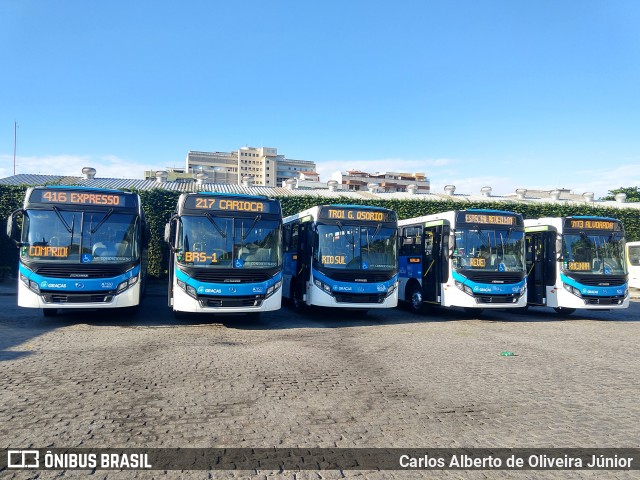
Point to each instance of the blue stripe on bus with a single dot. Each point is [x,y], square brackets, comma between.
[78,284]
[598,291]
[490,288]
[357,287]
[230,289]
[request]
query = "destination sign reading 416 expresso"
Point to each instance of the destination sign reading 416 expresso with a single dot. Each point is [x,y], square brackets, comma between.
[211,202]
[81,197]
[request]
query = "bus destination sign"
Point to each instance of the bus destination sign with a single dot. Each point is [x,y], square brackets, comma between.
[208,202]
[489,219]
[591,224]
[357,214]
[71,197]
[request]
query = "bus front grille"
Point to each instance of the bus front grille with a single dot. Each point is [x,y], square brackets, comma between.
[603,300]
[360,276]
[77,297]
[237,276]
[77,271]
[496,298]
[359,297]
[227,302]
[601,280]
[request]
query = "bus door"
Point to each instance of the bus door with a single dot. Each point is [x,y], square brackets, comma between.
[303,262]
[540,250]
[432,267]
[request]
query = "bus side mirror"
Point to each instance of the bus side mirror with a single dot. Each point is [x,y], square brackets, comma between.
[559,248]
[13,230]
[451,244]
[170,232]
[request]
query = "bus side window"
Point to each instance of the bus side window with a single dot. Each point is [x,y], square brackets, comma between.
[410,241]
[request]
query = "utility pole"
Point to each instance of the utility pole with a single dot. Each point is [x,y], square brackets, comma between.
[15,142]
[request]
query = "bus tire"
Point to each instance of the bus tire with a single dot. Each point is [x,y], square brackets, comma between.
[49,312]
[416,305]
[296,297]
[564,310]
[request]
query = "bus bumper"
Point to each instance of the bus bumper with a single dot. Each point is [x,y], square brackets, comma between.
[29,299]
[454,297]
[559,297]
[182,302]
[320,298]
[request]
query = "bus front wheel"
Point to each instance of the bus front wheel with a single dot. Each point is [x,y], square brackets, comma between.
[415,300]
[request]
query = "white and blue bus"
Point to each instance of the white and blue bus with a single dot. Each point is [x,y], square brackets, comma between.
[226,254]
[576,262]
[80,248]
[341,256]
[472,259]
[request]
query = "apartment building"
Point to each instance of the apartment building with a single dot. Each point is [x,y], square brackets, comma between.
[263,164]
[355,180]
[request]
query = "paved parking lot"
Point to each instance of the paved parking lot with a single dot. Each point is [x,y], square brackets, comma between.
[329,379]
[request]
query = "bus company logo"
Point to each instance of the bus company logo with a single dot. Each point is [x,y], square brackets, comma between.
[381,288]
[79,285]
[232,290]
[45,284]
[106,284]
[258,289]
[482,289]
[209,290]
[361,289]
[23,459]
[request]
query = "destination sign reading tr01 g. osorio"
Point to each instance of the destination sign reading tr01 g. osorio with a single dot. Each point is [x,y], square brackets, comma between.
[207,202]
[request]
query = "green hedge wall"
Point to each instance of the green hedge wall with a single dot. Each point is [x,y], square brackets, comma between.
[158,205]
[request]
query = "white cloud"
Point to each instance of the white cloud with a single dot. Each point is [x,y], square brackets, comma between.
[107,166]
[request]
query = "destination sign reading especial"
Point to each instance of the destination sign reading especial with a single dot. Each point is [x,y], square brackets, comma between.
[206,202]
[489,219]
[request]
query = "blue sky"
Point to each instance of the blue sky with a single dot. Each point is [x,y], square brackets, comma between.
[505,93]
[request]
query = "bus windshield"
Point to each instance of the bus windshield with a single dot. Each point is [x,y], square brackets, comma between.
[80,236]
[356,247]
[600,254]
[223,242]
[489,250]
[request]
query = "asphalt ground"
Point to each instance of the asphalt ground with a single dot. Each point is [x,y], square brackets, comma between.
[326,379]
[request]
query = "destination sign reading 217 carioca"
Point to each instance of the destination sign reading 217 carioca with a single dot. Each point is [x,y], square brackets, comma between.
[208,202]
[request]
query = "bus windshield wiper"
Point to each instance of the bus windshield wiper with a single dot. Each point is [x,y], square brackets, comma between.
[213,222]
[64,222]
[255,220]
[350,238]
[101,222]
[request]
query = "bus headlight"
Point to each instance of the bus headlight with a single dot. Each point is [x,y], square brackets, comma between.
[273,288]
[465,288]
[191,291]
[572,290]
[122,286]
[523,290]
[133,280]
[187,288]
[322,286]
[34,287]
[392,289]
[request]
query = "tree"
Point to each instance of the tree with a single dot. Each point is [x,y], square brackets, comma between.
[633,194]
